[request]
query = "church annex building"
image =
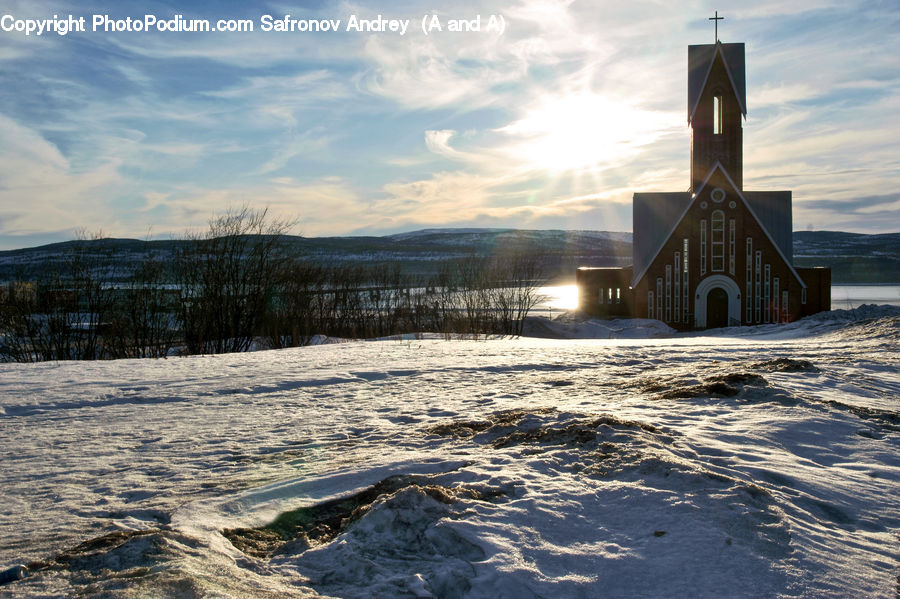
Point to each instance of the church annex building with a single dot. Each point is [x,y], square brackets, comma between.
[716,255]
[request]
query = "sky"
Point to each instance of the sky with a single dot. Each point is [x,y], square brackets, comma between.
[550,116]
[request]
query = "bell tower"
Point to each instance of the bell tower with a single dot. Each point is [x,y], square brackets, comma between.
[718,254]
[717,103]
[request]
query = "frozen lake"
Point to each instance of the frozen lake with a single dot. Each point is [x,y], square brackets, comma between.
[846,297]
[843,297]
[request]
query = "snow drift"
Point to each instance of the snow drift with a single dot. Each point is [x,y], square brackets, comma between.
[743,462]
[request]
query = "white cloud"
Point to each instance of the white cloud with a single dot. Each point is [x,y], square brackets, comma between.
[417,74]
[778,94]
[326,206]
[574,106]
[41,190]
[309,144]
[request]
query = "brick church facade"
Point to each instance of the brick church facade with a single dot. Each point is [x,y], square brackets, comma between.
[716,255]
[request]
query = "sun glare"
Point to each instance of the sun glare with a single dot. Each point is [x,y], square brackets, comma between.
[560,297]
[579,131]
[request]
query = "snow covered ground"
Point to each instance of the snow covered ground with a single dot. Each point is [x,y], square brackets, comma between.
[755,462]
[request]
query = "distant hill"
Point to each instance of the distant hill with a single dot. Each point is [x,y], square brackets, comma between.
[853,257]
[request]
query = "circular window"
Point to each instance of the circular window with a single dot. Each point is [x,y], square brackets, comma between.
[717,195]
[731,204]
[703,205]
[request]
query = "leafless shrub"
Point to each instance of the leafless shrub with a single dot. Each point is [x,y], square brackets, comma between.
[142,322]
[233,286]
[62,313]
[227,277]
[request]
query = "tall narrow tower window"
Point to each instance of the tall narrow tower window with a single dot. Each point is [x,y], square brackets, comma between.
[717,115]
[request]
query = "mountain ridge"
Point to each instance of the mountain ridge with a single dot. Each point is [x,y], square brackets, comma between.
[853,257]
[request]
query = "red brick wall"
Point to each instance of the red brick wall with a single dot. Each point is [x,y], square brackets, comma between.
[745,226]
[617,300]
[727,147]
[818,292]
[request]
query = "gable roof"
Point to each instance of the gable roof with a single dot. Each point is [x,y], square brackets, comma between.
[700,62]
[773,210]
[764,200]
[652,218]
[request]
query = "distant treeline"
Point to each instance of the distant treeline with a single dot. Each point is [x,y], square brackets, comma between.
[852,257]
[233,288]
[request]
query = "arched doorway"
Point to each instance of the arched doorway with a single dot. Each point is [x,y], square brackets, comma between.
[710,289]
[716,308]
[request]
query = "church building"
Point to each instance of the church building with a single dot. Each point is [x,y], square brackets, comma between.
[718,254]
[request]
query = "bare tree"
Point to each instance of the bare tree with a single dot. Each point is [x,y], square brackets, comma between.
[515,278]
[18,300]
[234,284]
[63,314]
[295,315]
[142,323]
[227,277]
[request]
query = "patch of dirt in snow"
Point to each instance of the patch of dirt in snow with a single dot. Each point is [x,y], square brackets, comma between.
[746,386]
[720,385]
[148,563]
[785,365]
[122,552]
[578,432]
[543,429]
[738,383]
[886,419]
[298,530]
[393,539]
[722,380]
[468,428]
[405,546]
[609,448]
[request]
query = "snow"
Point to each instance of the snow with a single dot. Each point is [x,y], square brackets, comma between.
[571,326]
[742,462]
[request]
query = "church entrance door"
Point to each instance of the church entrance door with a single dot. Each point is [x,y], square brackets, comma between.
[717,308]
[717,302]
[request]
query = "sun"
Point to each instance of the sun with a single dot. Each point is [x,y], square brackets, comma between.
[560,297]
[580,131]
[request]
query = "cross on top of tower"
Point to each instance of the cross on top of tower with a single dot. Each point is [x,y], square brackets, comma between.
[716,20]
